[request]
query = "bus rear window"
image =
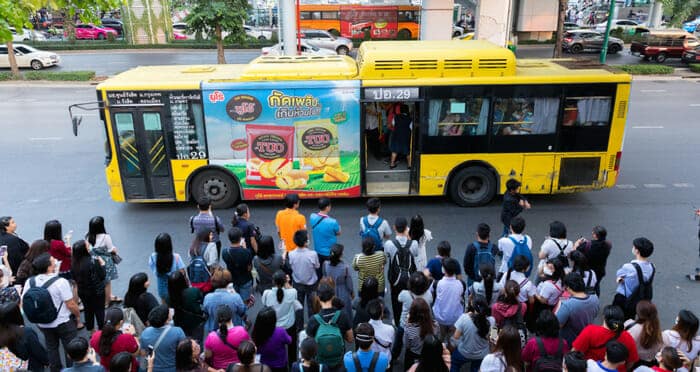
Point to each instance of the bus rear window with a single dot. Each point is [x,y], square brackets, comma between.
[587,111]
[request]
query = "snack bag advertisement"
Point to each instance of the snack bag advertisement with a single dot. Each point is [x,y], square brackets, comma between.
[289,136]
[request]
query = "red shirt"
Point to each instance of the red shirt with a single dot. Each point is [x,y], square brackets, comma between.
[60,251]
[531,352]
[591,341]
[124,342]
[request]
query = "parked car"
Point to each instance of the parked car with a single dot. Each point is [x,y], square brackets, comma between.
[27,56]
[180,31]
[691,55]
[571,26]
[577,41]
[325,40]
[457,31]
[624,24]
[257,33]
[306,50]
[26,35]
[660,45]
[114,24]
[692,26]
[87,31]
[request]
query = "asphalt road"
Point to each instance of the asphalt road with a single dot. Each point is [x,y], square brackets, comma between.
[48,173]
[109,62]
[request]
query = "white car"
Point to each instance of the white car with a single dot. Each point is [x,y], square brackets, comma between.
[180,31]
[325,40]
[27,56]
[306,50]
[26,35]
[625,24]
[257,33]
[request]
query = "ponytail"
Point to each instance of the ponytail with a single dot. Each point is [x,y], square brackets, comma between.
[280,295]
[113,316]
[223,316]
[487,272]
[480,315]
[280,279]
[241,209]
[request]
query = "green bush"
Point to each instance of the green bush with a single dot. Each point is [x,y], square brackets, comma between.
[60,75]
[695,67]
[5,75]
[646,69]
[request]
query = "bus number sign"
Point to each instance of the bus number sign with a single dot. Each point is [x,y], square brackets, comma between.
[391,94]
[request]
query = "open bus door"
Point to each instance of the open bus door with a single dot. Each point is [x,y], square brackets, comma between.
[142,155]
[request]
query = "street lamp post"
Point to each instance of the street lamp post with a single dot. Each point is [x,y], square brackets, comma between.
[604,50]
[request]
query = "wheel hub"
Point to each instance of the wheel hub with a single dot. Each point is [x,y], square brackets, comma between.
[215,189]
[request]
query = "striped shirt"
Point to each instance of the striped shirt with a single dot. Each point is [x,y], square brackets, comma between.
[412,338]
[370,266]
[206,220]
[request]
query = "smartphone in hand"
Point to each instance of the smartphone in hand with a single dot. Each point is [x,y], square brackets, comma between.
[3,250]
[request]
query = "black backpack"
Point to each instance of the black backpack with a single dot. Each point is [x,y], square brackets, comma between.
[590,289]
[372,364]
[548,362]
[644,290]
[402,264]
[37,302]
[562,255]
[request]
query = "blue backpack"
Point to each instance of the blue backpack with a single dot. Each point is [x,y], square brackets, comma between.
[197,270]
[372,231]
[520,249]
[483,255]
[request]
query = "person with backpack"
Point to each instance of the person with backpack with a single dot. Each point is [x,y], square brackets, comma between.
[518,274]
[479,252]
[545,351]
[47,301]
[365,359]
[470,342]
[401,252]
[513,204]
[202,259]
[187,302]
[384,334]
[239,261]
[593,339]
[508,304]
[515,244]
[324,231]
[449,298]
[206,219]
[330,327]
[596,251]
[635,279]
[556,245]
[374,226]
[576,310]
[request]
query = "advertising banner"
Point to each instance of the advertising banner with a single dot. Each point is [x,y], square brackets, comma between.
[282,137]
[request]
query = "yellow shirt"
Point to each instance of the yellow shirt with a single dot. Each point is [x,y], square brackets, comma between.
[289,221]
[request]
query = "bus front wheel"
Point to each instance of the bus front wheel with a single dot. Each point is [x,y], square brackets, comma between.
[216,185]
[472,186]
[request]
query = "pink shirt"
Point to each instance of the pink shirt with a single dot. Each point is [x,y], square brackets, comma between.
[222,354]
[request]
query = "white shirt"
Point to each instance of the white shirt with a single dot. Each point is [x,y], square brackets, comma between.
[406,298]
[384,228]
[673,339]
[550,249]
[494,362]
[60,292]
[285,310]
[527,289]
[593,366]
[550,291]
[104,240]
[422,258]
[384,333]
[506,246]
[371,116]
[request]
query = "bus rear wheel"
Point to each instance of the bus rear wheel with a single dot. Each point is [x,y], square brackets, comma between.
[216,185]
[472,186]
[404,34]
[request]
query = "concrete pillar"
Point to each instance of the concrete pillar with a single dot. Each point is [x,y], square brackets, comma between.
[655,14]
[436,19]
[147,21]
[494,21]
[288,26]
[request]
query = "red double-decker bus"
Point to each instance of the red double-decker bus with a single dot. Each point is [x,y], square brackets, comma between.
[363,21]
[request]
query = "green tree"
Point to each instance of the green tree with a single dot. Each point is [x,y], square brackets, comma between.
[678,10]
[219,18]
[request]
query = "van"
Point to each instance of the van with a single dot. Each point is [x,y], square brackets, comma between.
[662,44]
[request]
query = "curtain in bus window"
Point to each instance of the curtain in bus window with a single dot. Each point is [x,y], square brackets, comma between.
[434,116]
[593,111]
[483,118]
[545,115]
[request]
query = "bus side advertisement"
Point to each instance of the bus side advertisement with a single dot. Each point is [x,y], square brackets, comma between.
[301,137]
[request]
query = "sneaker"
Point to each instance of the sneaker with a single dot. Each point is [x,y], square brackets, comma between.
[693,278]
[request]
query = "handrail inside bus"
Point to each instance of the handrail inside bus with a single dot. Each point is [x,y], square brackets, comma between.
[85,106]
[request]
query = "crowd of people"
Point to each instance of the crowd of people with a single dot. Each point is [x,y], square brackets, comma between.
[497,310]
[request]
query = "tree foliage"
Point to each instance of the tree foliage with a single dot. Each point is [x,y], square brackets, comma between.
[679,10]
[221,18]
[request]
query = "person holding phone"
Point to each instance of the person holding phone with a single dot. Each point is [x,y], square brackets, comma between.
[16,247]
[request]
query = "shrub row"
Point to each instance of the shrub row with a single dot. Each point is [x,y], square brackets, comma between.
[646,69]
[51,75]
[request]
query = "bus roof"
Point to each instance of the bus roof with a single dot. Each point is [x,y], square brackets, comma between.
[176,77]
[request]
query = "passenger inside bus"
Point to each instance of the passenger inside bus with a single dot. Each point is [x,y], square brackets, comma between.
[400,141]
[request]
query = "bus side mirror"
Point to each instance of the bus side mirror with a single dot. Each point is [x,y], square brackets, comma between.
[76,122]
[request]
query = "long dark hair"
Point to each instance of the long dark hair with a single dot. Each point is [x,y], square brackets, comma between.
[241,209]
[580,262]
[416,228]
[480,315]
[184,361]
[509,344]
[488,278]
[246,354]
[264,326]
[164,253]
[511,291]
[614,319]
[687,327]
[520,264]
[308,351]
[11,323]
[336,254]
[176,284]
[137,287]
[113,316]
[266,247]
[200,241]
[431,356]
[38,247]
[648,318]
[369,291]
[558,273]
[80,257]
[280,280]
[420,315]
[223,316]
[53,231]
[95,226]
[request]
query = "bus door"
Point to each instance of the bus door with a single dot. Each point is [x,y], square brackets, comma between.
[378,107]
[142,155]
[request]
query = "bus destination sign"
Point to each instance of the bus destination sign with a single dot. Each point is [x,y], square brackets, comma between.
[391,94]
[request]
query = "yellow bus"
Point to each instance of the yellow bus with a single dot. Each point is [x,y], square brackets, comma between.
[297,124]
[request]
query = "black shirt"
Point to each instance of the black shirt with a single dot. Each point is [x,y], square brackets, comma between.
[597,255]
[327,314]
[248,230]
[511,207]
[144,305]
[239,262]
[16,249]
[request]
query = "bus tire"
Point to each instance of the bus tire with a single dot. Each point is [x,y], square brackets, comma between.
[472,186]
[404,34]
[216,185]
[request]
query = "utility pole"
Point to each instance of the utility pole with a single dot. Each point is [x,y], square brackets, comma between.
[561,15]
[604,50]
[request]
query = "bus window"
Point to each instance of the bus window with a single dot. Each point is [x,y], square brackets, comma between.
[524,116]
[329,15]
[155,144]
[127,145]
[587,111]
[458,117]
[315,15]
[304,15]
[406,16]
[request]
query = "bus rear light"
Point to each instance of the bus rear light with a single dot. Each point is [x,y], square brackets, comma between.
[618,156]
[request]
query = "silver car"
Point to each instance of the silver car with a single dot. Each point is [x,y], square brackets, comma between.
[326,40]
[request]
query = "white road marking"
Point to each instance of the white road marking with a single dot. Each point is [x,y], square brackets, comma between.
[683,185]
[626,186]
[653,90]
[694,105]
[654,186]
[648,127]
[45,138]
